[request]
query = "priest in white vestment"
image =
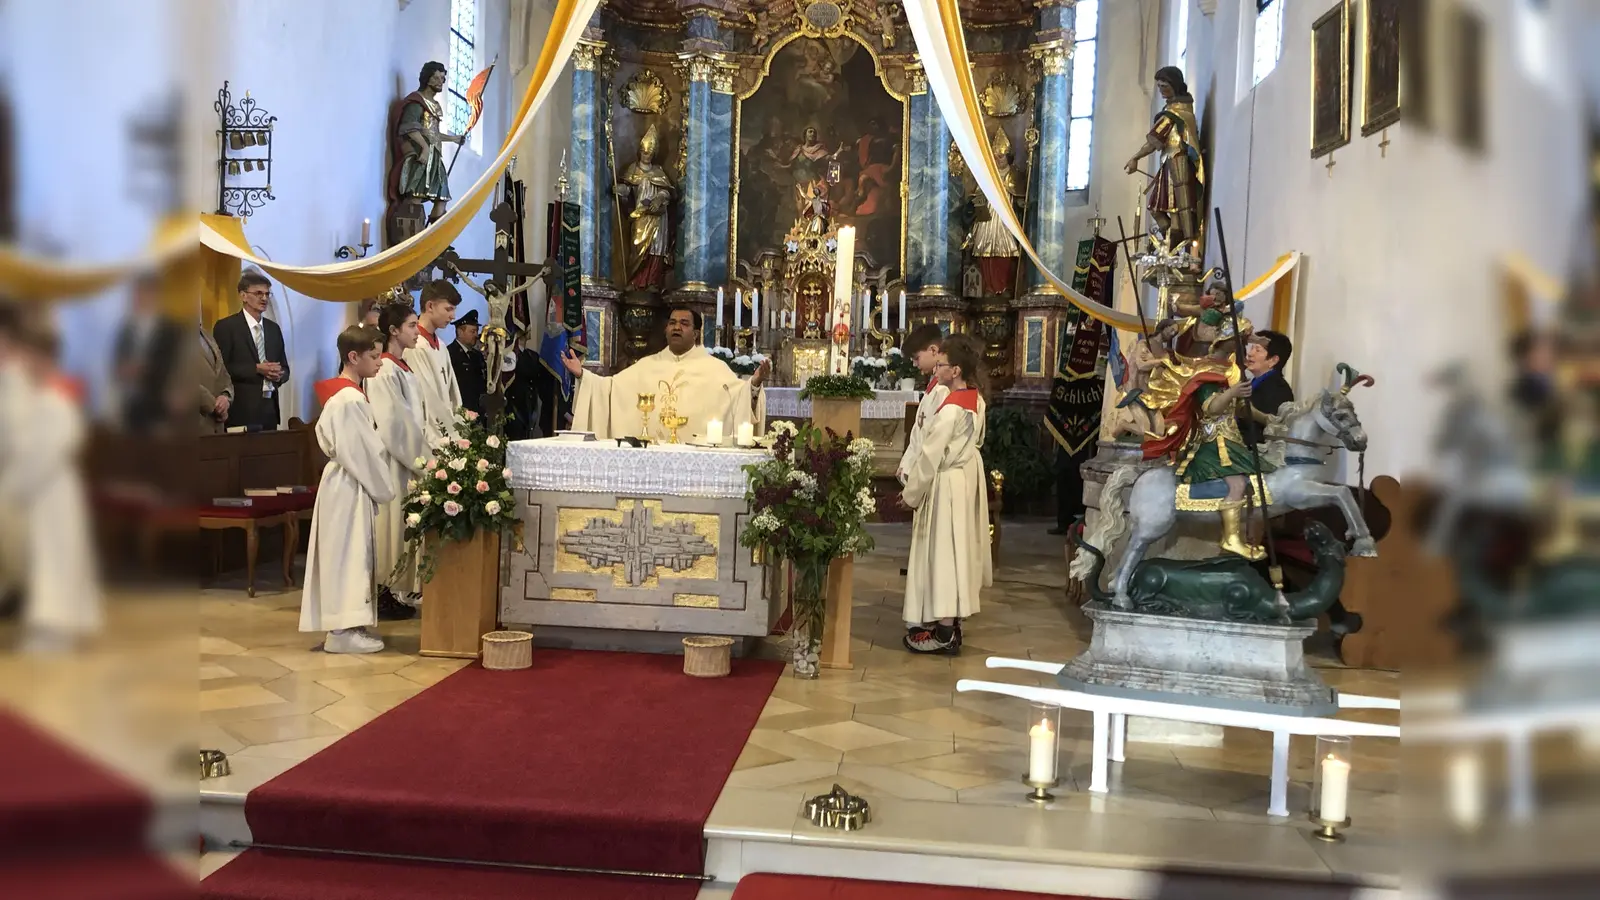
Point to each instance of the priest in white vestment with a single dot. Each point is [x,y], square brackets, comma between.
[705,386]
[337,597]
[429,360]
[950,556]
[396,400]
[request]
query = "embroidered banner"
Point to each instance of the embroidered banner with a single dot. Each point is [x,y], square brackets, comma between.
[1077,393]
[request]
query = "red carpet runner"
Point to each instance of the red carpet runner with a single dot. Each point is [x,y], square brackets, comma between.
[595,760]
[805,887]
[70,829]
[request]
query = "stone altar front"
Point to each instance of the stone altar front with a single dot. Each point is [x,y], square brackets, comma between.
[633,547]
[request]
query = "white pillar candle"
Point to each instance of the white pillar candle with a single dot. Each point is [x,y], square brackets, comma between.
[1041,753]
[738,307]
[719,307]
[844,264]
[1466,790]
[902,310]
[747,434]
[1333,803]
[366,231]
[885,312]
[714,431]
[755,307]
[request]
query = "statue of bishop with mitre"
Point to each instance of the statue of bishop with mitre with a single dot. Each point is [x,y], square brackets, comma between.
[649,238]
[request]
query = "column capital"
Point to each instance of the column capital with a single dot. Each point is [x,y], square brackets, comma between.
[1054,4]
[701,65]
[917,77]
[722,77]
[1052,55]
[587,55]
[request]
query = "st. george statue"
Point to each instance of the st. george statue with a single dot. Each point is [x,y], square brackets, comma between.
[649,240]
[418,169]
[705,389]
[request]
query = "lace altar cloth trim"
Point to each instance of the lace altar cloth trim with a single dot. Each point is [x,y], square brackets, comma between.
[785,403]
[602,467]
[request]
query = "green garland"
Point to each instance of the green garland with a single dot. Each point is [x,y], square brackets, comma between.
[836,387]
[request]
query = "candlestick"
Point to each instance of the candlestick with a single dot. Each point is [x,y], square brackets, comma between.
[719,308]
[714,432]
[1335,795]
[366,231]
[738,307]
[903,311]
[1041,753]
[746,434]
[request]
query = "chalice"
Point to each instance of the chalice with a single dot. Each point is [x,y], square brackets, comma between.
[647,403]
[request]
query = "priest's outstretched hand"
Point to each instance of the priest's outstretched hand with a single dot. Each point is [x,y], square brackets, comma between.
[573,363]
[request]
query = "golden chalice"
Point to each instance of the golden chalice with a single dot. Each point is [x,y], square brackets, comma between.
[670,419]
[647,403]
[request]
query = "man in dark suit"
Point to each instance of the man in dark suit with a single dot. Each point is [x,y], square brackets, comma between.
[252,347]
[145,357]
[1264,358]
[467,359]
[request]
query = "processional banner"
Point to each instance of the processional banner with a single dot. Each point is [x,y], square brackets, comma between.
[564,320]
[1078,390]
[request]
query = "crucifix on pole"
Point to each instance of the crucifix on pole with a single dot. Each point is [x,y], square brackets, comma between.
[502,270]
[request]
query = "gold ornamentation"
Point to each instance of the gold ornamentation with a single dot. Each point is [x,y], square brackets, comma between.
[670,419]
[586,56]
[958,162]
[1031,138]
[839,810]
[824,19]
[646,404]
[1002,97]
[1051,56]
[722,77]
[698,601]
[646,93]
[574,595]
[638,539]
[918,77]
[700,65]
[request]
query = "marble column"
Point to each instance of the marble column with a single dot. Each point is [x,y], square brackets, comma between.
[933,238]
[588,163]
[1049,219]
[706,201]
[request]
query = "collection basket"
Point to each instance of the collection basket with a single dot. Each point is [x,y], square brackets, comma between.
[504,650]
[707,656]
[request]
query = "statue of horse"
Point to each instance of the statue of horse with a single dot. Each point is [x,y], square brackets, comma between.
[1306,434]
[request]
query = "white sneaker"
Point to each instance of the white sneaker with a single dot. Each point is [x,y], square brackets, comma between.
[351,640]
[412,600]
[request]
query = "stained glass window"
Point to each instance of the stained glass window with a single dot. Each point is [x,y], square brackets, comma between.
[463,63]
[1080,131]
[1269,37]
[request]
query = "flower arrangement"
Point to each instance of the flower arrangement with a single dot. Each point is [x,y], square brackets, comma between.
[811,502]
[743,364]
[869,368]
[902,366]
[464,489]
[836,387]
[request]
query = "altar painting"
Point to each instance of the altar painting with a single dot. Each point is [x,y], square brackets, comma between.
[821,134]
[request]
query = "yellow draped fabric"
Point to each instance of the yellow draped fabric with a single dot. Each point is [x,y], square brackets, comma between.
[36,280]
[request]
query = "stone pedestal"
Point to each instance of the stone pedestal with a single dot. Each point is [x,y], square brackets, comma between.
[1231,665]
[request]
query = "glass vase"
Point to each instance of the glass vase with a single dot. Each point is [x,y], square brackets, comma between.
[1330,777]
[810,599]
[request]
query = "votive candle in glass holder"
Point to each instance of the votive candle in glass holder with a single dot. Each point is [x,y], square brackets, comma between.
[1044,748]
[1330,779]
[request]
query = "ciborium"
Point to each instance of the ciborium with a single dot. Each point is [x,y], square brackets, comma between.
[647,403]
[670,420]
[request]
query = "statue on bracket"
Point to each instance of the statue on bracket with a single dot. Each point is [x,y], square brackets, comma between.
[1176,189]
[646,194]
[417,170]
[990,243]
[885,15]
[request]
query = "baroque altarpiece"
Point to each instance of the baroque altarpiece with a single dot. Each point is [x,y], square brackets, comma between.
[723,146]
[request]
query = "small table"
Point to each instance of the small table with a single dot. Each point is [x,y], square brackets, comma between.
[282,511]
[1111,721]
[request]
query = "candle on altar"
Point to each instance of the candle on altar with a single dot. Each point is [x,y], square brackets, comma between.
[1335,797]
[719,307]
[844,265]
[747,434]
[902,310]
[366,231]
[755,307]
[1466,790]
[1041,753]
[738,307]
[714,432]
[885,305]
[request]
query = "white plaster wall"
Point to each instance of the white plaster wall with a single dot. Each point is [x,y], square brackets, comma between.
[1402,253]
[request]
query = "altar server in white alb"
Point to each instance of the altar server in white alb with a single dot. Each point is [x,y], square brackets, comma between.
[338,587]
[396,399]
[922,344]
[429,359]
[705,389]
[950,558]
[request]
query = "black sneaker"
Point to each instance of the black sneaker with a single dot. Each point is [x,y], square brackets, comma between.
[938,639]
[391,609]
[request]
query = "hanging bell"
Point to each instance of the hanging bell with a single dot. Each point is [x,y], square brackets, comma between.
[236,140]
[233,167]
[263,138]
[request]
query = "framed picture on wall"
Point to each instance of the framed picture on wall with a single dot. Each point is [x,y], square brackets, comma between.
[1380,63]
[1330,80]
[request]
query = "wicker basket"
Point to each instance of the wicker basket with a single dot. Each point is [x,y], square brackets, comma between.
[507,650]
[707,657]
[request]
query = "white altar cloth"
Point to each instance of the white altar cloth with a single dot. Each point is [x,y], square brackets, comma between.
[785,403]
[551,464]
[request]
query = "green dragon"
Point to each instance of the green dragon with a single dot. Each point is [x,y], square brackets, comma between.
[1226,588]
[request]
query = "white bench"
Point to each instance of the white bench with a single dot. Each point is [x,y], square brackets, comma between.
[1111,721]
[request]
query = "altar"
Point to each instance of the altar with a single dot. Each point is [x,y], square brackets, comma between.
[883,420]
[628,547]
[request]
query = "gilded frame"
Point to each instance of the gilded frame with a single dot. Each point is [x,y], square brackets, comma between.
[739,97]
[1380,49]
[1330,80]
[597,341]
[1035,325]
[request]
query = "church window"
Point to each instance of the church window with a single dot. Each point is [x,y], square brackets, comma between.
[463,63]
[1180,34]
[1269,37]
[1080,128]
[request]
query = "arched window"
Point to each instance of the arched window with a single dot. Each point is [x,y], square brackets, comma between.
[1269,38]
[1080,130]
[463,63]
